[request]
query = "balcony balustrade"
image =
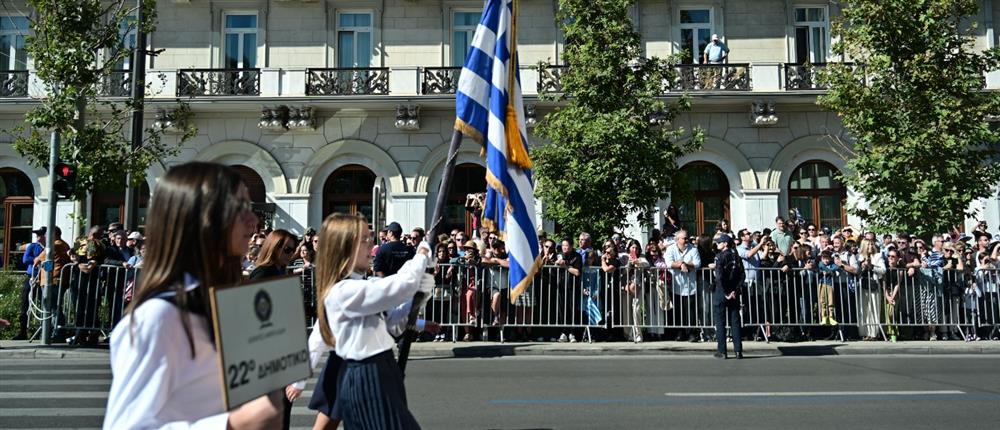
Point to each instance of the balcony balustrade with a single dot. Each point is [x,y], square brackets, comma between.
[218,82]
[13,83]
[347,82]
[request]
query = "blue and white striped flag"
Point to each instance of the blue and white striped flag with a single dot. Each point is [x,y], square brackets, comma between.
[490,110]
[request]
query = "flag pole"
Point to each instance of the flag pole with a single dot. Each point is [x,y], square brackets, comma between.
[420,298]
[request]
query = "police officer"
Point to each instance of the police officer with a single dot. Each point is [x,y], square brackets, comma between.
[729,276]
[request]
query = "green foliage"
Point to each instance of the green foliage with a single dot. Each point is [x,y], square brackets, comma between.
[75,46]
[10,301]
[608,160]
[924,150]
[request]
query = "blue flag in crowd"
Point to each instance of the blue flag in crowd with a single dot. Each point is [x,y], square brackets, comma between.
[490,110]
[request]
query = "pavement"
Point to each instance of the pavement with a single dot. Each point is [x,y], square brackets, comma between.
[24,349]
[885,392]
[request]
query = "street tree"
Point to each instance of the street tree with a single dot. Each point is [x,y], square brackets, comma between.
[612,152]
[77,48]
[915,105]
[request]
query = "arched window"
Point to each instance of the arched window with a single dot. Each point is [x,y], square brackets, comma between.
[349,190]
[17,195]
[814,190]
[468,179]
[108,206]
[705,202]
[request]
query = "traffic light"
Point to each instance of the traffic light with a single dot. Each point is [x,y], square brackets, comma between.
[65,185]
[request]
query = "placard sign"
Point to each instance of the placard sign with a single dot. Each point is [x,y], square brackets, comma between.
[261,338]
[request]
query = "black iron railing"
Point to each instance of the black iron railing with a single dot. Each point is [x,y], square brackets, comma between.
[218,82]
[116,84]
[710,77]
[13,83]
[347,81]
[440,80]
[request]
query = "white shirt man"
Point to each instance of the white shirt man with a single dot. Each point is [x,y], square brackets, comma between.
[750,254]
[683,261]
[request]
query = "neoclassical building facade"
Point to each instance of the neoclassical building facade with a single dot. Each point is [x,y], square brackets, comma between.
[348,105]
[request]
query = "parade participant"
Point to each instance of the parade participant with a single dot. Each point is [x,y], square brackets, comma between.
[360,314]
[165,368]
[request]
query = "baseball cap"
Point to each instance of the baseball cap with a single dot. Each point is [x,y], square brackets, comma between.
[723,238]
[40,230]
[395,228]
[135,235]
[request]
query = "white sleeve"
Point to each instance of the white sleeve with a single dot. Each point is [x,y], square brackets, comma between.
[360,298]
[395,321]
[696,259]
[143,377]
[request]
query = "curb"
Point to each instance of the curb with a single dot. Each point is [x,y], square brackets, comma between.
[650,349]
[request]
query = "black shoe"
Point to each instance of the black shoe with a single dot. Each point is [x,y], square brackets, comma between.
[739,355]
[719,355]
[20,336]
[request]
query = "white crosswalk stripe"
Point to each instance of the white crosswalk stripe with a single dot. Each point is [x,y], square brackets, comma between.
[64,394]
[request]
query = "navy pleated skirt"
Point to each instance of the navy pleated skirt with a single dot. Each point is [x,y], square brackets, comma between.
[372,395]
[324,398]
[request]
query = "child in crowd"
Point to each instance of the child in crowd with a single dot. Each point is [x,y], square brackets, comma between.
[827,271]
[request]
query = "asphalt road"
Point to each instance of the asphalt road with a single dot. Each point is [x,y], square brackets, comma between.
[883,392]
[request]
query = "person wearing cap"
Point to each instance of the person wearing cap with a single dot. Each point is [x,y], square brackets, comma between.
[729,276]
[33,250]
[391,255]
[716,52]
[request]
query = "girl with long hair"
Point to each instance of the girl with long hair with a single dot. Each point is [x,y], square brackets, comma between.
[363,315]
[165,368]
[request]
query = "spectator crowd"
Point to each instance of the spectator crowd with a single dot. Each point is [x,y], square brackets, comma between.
[802,282]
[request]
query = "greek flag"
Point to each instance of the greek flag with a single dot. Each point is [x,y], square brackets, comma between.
[490,110]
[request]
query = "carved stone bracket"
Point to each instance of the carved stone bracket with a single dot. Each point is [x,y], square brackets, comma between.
[530,119]
[762,113]
[408,117]
[168,121]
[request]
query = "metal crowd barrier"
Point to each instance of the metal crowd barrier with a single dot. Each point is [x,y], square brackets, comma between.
[633,299]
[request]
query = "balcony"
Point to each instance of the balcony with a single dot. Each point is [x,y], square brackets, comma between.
[550,79]
[116,84]
[13,83]
[439,80]
[347,82]
[805,77]
[710,77]
[218,82]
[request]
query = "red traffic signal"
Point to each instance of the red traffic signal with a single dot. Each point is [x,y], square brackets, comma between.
[65,185]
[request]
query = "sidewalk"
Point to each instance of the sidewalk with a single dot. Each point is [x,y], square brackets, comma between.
[25,350]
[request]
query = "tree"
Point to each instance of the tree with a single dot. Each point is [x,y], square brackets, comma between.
[76,47]
[613,152]
[915,105]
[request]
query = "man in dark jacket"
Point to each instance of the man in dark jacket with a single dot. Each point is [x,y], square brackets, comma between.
[391,256]
[729,276]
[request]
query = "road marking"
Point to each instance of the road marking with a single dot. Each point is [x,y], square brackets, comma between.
[94,412]
[818,393]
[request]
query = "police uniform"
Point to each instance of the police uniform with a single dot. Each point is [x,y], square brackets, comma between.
[364,315]
[725,262]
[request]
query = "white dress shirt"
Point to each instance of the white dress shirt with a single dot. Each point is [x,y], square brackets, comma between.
[155,382]
[355,306]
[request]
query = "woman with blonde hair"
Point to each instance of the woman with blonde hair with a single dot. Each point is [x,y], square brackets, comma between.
[870,277]
[362,315]
[164,365]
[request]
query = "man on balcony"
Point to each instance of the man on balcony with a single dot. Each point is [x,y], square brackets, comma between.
[715,52]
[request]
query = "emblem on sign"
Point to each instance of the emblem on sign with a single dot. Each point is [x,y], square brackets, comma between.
[262,307]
